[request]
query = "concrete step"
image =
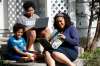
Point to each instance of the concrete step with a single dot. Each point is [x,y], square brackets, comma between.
[13,63]
[3,39]
[77,62]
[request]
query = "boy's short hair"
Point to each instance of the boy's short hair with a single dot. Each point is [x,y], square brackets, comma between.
[28,4]
[18,26]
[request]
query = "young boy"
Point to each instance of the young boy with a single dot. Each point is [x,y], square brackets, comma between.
[17,45]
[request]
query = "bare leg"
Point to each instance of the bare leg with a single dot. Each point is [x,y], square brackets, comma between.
[45,33]
[50,61]
[60,57]
[31,35]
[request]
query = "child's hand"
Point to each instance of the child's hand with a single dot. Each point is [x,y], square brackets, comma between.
[31,56]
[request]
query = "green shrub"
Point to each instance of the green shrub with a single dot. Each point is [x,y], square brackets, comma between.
[91,58]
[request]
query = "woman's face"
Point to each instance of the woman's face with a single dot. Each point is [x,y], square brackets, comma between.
[30,11]
[60,22]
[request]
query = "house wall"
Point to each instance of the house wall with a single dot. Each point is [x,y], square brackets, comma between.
[78,10]
[82,17]
[3,17]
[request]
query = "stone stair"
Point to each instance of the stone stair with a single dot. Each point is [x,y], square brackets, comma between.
[78,62]
[13,63]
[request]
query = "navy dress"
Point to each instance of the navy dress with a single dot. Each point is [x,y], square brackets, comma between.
[70,44]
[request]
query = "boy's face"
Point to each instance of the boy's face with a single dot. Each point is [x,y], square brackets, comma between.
[30,11]
[19,33]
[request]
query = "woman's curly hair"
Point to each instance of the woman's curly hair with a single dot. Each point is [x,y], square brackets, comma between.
[66,18]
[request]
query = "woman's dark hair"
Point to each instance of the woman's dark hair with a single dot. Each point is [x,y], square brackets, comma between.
[28,4]
[18,26]
[66,18]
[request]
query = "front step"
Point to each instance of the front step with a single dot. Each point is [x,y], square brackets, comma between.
[12,63]
[77,62]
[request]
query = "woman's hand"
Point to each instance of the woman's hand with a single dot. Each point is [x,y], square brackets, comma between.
[62,36]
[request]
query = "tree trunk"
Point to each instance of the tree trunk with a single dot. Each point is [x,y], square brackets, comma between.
[96,37]
[89,28]
[97,33]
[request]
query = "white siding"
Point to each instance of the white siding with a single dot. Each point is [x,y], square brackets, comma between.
[1,16]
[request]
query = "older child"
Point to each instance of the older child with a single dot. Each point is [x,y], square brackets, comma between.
[28,19]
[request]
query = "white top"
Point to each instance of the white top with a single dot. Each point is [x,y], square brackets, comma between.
[28,22]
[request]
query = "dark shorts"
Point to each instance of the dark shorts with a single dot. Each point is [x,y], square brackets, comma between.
[70,53]
[13,57]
